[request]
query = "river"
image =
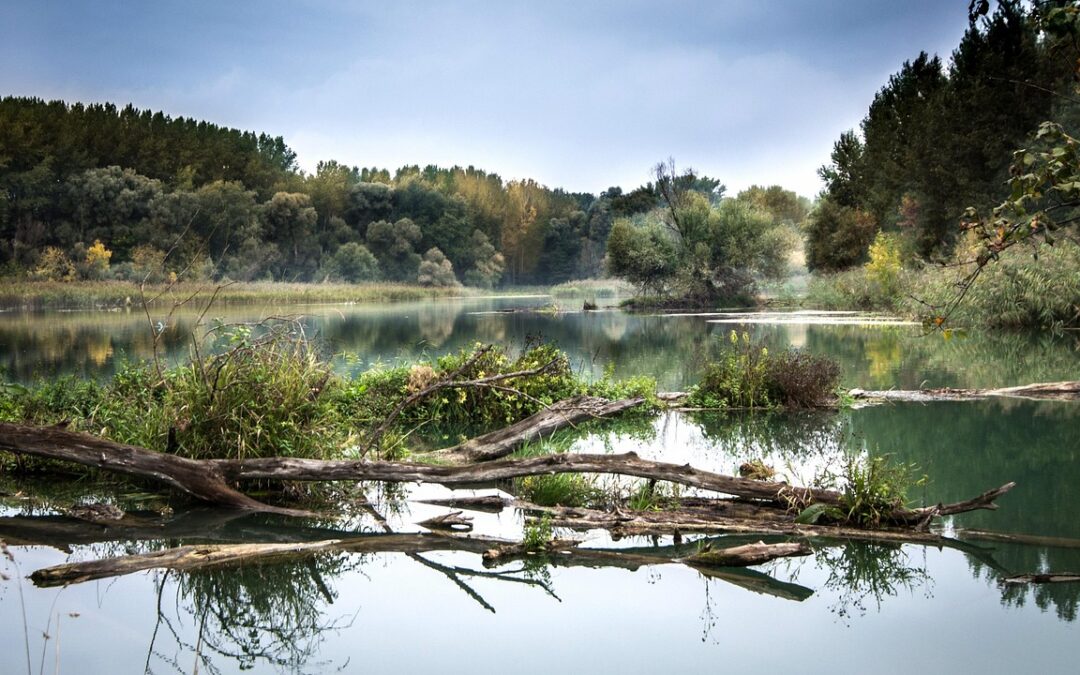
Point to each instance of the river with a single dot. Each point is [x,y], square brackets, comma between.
[850,607]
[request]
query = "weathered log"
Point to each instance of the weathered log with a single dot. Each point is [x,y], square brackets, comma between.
[1013,538]
[449,522]
[502,442]
[486,503]
[208,479]
[198,557]
[1049,578]
[747,555]
[197,478]
[1060,391]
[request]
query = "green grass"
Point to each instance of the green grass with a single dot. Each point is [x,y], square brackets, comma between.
[1019,290]
[18,294]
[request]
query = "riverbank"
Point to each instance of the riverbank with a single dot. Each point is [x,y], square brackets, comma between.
[36,295]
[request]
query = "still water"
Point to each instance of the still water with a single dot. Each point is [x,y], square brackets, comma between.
[847,608]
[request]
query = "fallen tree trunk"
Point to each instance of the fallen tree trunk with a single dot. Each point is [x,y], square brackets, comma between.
[746,555]
[502,442]
[197,478]
[209,479]
[198,557]
[1059,391]
[1048,578]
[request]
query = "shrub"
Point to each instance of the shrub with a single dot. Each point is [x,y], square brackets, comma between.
[262,396]
[737,379]
[53,265]
[874,487]
[560,489]
[747,375]
[797,379]
[96,263]
[353,263]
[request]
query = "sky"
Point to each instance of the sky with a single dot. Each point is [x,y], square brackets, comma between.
[580,94]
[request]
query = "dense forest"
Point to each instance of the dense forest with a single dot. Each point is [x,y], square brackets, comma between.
[96,191]
[939,138]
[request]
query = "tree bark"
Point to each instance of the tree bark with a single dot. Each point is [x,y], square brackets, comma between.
[197,478]
[502,442]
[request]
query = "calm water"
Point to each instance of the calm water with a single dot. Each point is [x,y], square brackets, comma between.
[847,608]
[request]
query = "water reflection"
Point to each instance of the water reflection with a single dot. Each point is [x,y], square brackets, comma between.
[670,348]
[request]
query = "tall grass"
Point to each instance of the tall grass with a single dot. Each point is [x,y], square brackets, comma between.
[1024,288]
[17,294]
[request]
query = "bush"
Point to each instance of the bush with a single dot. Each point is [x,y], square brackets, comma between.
[737,379]
[747,375]
[262,396]
[436,270]
[352,263]
[797,379]
[1024,288]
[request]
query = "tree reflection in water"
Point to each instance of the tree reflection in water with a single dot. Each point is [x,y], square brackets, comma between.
[274,614]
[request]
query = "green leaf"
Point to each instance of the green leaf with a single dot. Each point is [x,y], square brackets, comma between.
[811,514]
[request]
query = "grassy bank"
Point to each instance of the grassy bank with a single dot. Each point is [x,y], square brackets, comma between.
[17,294]
[268,393]
[1019,290]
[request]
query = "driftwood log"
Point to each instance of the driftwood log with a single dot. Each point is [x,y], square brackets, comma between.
[560,415]
[210,479]
[1059,391]
[197,557]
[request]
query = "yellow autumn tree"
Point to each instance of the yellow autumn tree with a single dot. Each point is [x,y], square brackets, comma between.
[53,265]
[97,261]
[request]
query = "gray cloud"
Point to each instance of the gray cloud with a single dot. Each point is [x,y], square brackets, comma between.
[575,94]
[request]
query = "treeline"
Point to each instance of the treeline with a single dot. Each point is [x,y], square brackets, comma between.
[937,140]
[94,191]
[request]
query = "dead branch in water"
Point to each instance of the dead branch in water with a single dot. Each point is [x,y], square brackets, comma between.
[188,558]
[1057,391]
[210,479]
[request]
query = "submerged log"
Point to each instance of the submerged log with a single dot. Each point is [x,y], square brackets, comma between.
[746,555]
[1060,391]
[1047,578]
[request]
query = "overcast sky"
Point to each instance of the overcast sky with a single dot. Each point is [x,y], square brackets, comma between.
[575,94]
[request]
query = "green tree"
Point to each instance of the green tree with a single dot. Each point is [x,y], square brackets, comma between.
[487,263]
[644,255]
[353,263]
[436,270]
[394,245]
[289,221]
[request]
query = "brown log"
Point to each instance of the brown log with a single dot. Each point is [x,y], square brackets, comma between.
[197,478]
[486,503]
[746,555]
[209,479]
[189,558]
[502,442]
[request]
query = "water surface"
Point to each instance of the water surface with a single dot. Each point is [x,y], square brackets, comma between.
[850,607]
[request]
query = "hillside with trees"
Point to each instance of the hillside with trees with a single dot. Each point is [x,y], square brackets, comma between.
[953,164]
[96,192]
